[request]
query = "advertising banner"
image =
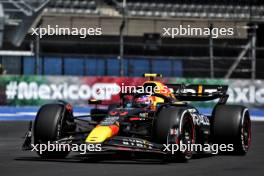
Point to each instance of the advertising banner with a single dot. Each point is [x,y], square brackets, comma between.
[38,90]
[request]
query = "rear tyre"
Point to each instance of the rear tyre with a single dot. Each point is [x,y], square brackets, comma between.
[52,122]
[232,125]
[174,125]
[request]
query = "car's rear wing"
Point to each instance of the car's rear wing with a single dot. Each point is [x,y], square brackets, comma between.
[198,92]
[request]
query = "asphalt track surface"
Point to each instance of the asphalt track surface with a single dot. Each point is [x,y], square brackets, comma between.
[14,162]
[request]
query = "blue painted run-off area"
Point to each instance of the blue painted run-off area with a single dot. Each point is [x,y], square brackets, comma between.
[28,113]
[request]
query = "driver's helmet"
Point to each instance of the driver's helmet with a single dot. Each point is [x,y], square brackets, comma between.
[143,101]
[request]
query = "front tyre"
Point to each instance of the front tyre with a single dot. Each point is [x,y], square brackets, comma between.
[52,122]
[183,137]
[174,126]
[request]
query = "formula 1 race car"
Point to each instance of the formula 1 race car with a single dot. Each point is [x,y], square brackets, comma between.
[147,121]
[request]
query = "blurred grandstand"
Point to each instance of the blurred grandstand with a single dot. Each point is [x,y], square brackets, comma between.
[145,49]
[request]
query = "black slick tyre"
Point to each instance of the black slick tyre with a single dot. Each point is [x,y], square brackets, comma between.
[232,125]
[174,126]
[52,122]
